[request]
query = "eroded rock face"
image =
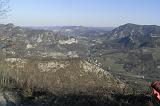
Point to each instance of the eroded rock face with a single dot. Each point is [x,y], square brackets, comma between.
[28,42]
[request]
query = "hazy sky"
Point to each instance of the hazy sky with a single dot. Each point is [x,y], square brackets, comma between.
[83,12]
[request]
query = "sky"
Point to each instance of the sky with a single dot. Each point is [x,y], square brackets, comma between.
[99,13]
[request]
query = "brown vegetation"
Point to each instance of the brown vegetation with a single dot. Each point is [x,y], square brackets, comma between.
[58,76]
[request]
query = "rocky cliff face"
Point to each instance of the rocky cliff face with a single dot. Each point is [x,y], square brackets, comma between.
[26,42]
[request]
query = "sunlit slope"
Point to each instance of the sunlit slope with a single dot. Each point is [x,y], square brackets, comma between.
[60,76]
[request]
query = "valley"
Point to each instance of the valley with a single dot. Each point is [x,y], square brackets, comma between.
[80,61]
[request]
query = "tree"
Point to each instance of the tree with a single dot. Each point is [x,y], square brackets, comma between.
[4,8]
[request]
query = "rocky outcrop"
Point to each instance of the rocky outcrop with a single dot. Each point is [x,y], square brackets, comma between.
[26,42]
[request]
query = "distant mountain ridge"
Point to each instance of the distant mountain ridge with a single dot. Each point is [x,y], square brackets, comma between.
[133,35]
[74,41]
[76,30]
[26,42]
[135,30]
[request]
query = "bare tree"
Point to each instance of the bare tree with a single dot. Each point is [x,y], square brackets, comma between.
[4,8]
